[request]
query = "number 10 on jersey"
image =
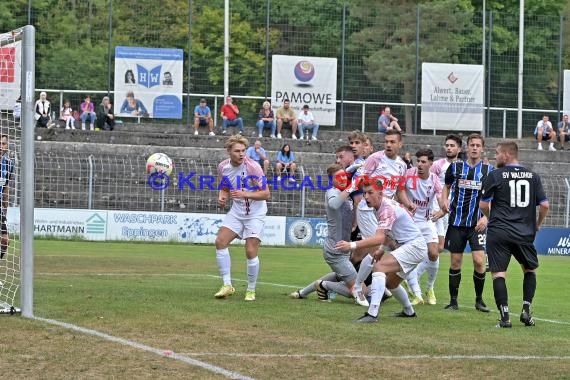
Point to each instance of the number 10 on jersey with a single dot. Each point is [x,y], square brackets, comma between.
[520,192]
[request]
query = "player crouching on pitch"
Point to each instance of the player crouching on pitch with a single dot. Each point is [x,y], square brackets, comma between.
[389,269]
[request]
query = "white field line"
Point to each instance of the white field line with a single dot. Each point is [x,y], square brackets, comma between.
[164,353]
[381,357]
[111,274]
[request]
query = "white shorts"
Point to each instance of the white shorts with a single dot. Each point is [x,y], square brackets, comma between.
[410,255]
[366,220]
[245,228]
[428,229]
[442,223]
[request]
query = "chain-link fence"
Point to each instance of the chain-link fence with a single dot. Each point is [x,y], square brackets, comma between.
[118,182]
[380,46]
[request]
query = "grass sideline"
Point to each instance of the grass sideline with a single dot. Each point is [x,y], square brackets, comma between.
[161,295]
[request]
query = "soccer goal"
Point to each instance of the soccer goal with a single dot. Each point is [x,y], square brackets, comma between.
[17,77]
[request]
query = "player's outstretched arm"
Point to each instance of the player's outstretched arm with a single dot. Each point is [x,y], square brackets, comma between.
[373,241]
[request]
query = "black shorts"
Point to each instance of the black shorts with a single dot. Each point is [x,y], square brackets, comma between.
[203,123]
[500,249]
[3,225]
[355,235]
[456,239]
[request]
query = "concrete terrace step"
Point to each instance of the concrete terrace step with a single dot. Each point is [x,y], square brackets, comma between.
[325,133]
[327,143]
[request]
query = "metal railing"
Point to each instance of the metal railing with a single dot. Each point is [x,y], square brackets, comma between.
[366,117]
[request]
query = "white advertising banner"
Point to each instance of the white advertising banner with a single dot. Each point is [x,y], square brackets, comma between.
[10,71]
[452,97]
[181,227]
[566,94]
[63,223]
[154,76]
[136,225]
[305,80]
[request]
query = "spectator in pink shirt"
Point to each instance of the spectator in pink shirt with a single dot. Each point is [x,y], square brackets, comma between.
[87,111]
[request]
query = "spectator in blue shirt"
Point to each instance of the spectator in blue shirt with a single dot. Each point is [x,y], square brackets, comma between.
[203,117]
[285,162]
[258,154]
[387,121]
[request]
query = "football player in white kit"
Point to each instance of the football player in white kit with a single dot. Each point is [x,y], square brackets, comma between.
[389,164]
[241,180]
[423,187]
[394,223]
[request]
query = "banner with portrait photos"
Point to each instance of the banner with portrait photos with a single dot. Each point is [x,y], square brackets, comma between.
[148,82]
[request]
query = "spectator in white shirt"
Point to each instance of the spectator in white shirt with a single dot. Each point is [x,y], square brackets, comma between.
[307,121]
[544,131]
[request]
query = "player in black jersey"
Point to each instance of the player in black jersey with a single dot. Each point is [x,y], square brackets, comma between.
[6,179]
[510,196]
[466,223]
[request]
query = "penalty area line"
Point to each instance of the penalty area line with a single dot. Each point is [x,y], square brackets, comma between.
[382,357]
[163,353]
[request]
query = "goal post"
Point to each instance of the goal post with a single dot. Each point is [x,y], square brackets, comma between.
[17,88]
[28,85]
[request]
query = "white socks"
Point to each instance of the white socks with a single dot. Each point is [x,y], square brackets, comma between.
[224,265]
[363,272]
[401,295]
[413,282]
[252,272]
[432,269]
[376,291]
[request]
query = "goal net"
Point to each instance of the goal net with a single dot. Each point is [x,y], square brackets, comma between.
[10,144]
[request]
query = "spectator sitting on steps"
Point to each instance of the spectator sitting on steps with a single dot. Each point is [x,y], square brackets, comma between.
[88,112]
[42,111]
[105,116]
[544,130]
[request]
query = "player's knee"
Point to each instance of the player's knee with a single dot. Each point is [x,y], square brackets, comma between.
[220,243]
[392,281]
[433,254]
[456,262]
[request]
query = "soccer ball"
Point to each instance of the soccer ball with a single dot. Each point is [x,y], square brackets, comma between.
[159,163]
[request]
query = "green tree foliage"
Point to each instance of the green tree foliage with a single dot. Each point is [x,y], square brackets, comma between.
[247,57]
[388,41]
[541,41]
[380,61]
[71,44]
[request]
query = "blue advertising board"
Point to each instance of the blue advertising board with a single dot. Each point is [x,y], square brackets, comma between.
[305,231]
[553,241]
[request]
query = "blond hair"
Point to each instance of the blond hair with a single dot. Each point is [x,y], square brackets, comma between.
[236,139]
[357,135]
[333,169]
[266,103]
